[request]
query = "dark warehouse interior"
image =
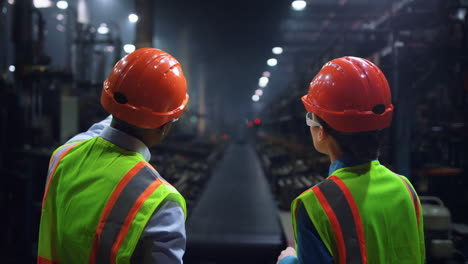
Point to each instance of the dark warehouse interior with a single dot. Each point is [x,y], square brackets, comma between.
[241,152]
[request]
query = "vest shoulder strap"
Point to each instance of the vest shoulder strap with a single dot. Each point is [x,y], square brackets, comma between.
[343,214]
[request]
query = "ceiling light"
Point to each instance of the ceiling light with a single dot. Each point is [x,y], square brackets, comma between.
[129,48]
[298,5]
[263,81]
[272,62]
[62,4]
[103,29]
[38,3]
[277,50]
[133,18]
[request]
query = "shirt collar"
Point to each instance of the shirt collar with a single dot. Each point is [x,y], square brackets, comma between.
[343,162]
[125,141]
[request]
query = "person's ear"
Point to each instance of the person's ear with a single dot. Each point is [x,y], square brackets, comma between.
[322,133]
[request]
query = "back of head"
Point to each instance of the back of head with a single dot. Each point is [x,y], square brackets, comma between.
[351,94]
[146,89]
[352,100]
[363,146]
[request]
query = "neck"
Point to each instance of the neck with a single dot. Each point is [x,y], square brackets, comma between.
[334,152]
[128,130]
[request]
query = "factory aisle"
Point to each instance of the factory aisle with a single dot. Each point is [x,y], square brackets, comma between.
[236,216]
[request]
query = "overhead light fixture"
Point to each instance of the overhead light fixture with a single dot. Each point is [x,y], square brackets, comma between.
[263,81]
[266,74]
[103,29]
[299,5]
[133,18]
[12,68]
[277,50]
[255,98]
[259,92]
[39,3]
[129,48]
[272,62]
[11,2]
[60,17]
[62,4]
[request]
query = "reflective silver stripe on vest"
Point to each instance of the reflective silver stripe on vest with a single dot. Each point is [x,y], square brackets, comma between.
[56,159]
[127,198]
[339,204]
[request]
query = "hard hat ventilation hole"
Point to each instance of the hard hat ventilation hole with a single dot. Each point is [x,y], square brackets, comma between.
[120,98]
[379,109]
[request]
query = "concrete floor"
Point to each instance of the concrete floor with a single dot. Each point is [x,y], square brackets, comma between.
[236,217]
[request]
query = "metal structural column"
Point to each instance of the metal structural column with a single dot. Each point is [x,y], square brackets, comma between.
[401,119]
[144,27]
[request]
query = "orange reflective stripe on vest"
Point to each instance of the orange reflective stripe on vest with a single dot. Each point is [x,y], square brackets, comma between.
[41,260]
[125,202]
[341,209]
[414,198]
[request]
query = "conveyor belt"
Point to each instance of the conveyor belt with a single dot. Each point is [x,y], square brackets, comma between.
[236,219]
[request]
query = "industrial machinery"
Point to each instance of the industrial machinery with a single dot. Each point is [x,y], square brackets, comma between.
[440,246]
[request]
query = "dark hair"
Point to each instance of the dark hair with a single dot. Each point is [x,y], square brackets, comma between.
[364,146]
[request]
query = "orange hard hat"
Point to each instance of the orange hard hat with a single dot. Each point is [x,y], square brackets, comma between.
[351,95]
[146,88]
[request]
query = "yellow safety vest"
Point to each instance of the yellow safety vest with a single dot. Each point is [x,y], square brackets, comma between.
[96,204]
[366,214]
